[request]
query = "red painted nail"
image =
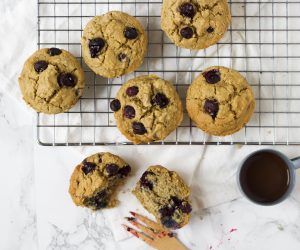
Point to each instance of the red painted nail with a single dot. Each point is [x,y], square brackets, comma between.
[132,213]
[170,235]
[130,218]
[130,230]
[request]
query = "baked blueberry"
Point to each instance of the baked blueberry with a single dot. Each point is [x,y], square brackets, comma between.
[66,80]
[111,169]
[187,32]
[145,182]
[167,211]
[54,51]
[98,201]
[132,91]
[177,202]
[186,207]
[212,76]
[187,10]
[115,105]
[161,100]
[124,171]
[122,57]
[210,29]
[130,33]
[129,112]
[211,107]
[168,222]
[138,128]
[40,66]
[88,167]
[96,45]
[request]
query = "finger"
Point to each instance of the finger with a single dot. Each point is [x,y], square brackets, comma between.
[148,222]
[139,235]
[143,228]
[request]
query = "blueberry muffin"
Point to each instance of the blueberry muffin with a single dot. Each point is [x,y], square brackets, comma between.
[94,181]
[164,194]
[114,44]
[220,101]
[51,81]
[147,109]
[195,24]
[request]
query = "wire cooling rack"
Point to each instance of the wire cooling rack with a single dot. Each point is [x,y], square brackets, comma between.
[263,43]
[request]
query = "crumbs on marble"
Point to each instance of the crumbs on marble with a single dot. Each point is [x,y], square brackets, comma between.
[280,227]
[226,235]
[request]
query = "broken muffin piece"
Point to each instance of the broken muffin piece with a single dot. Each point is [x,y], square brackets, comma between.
[94,182]
[164,194]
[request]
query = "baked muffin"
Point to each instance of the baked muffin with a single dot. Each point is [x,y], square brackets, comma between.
[147,108]
[94,181]
[52,81]
[114,44]
[195,24]
[220,101]
[164,194]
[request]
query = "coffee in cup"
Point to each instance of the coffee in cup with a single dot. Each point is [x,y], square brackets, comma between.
[267,177]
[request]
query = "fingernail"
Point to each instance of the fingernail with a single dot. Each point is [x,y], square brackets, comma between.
[130,218]
[130,230]
[171,235]
[132,213]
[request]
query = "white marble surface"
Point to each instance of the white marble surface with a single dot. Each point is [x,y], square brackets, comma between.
[17,194]
[27,189]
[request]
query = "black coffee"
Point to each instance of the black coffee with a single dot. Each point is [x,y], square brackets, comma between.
[264,177]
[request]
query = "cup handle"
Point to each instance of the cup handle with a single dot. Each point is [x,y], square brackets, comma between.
[296,162]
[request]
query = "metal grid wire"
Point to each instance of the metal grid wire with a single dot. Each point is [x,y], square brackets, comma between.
[263,43]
